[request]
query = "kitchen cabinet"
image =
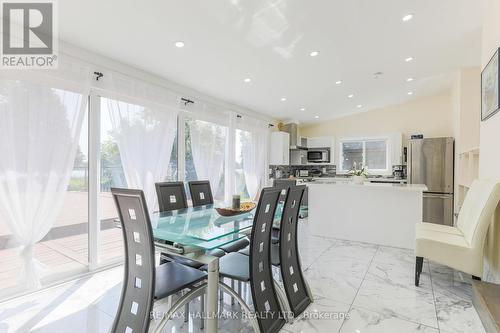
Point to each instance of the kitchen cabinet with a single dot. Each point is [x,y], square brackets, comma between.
[396,148]
[280,149]
[320,142]
[323,142]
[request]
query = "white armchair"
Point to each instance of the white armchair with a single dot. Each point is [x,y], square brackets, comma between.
[460,247]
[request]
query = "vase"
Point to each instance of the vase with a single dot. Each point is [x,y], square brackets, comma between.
[358,180]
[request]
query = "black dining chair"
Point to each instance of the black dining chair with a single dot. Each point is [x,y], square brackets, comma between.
[285,254]
[284,185]
[287,257]
[143,282]
[171,196]
[256,268]
[201,192]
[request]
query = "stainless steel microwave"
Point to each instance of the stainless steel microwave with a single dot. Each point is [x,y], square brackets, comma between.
[318,156]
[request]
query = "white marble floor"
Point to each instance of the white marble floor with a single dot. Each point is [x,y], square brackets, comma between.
[359,287]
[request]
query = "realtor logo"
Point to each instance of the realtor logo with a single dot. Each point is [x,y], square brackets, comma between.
[29,38]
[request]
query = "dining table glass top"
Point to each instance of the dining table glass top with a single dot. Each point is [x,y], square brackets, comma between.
[203,227]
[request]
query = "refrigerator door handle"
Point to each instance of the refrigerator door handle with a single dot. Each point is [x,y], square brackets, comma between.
[408,164]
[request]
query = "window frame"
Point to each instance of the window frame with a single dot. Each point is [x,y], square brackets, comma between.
[364,140]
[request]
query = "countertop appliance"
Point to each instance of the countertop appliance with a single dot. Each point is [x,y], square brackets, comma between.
[431,162]
[318,155]
[303,173]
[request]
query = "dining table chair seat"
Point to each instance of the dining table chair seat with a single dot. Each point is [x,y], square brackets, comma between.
[173,277]
[245,251]
[235,266]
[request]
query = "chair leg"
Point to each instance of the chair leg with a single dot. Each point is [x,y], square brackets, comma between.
[418,269]
[477,278]
[203,310]
[233,286]
[186,312]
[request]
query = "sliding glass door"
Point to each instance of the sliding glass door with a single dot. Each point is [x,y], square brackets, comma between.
[43,183]
[205,146]
[137,149]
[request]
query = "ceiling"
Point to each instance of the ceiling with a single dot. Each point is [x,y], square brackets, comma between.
[270,42]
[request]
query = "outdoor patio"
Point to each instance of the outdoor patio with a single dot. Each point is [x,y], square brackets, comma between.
[64,251]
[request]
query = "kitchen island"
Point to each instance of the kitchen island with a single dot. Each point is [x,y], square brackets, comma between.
[383,214]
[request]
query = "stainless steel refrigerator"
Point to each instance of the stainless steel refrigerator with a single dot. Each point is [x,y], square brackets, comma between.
[431,162]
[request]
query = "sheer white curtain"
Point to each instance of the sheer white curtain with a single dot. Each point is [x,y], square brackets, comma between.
[254,153]
[145,137]
[39,130]
[208,142]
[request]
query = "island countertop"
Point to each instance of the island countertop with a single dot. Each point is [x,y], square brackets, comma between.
[383,214]
[397,186]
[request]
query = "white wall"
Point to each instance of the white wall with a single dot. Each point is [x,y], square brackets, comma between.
[489,161]
[431,116]
[489,165]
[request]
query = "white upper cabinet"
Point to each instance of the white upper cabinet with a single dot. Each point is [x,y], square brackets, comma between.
[396,148]
[320,142]
[280,149]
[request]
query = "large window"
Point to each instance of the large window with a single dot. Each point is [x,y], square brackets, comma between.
[371,153]
[43,189]
[205,144]
[137,131]
[243,139]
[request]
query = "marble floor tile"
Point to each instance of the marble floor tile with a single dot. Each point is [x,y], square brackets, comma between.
[456,314]
[386,254]
[329,264]
[449,281]
[352,250]
[365,321]
[324,315]
[310,248]
[333,286]
[374,284]
[412,304]
[399,273]
[53,310]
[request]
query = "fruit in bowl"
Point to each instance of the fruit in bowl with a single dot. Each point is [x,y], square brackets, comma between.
[245,207]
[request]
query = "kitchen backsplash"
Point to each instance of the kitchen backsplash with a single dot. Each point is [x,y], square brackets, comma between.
[285,171]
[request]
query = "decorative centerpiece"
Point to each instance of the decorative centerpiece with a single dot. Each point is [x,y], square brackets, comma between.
[358,175]
[245,207]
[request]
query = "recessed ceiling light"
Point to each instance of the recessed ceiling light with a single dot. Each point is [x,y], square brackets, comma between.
[283,99]
[338,82]
[302,109]
[179,44]
[246,80]
[350,96]
[410,92]
[359,106]
[409,79]
[407,17]
[314,53]
[317,117]
[409,59]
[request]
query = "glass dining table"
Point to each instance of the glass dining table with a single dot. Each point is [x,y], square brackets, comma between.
[192,231]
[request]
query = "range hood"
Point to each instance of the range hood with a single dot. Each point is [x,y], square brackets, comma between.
[296,142]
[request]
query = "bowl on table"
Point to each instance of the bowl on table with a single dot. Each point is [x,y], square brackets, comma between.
[245,207]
